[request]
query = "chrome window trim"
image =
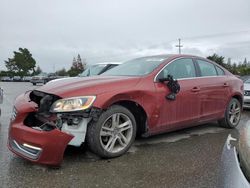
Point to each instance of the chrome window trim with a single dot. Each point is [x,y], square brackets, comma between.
[155,78]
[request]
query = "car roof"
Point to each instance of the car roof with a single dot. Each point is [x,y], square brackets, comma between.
[177,56]
[108,63]
[163,56]
[173,56]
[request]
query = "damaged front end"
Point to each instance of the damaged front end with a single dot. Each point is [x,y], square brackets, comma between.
[40,131]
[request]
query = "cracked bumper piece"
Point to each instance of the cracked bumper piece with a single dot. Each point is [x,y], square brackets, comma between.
[44,147]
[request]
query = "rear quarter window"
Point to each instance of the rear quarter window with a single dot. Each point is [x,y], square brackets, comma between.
[219,71]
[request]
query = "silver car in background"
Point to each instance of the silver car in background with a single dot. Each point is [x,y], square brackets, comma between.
[1,98]
[99,68]
[246,94]
[235,160]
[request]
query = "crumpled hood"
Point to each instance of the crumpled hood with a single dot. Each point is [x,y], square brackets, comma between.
[95,85]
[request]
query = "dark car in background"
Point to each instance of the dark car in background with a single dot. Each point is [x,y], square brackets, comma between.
[99,68]
[43,78]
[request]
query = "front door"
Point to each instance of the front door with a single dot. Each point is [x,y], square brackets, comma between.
[185,109]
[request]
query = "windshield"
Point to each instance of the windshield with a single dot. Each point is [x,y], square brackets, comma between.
[136,67]
[93,70]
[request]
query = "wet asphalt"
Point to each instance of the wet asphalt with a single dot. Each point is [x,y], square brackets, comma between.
[186,158]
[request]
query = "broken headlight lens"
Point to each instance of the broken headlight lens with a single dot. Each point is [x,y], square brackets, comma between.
[72,104]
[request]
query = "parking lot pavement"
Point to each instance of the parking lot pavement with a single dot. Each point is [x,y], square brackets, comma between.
[186,158]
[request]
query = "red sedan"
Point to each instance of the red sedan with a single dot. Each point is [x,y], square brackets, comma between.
[144,96]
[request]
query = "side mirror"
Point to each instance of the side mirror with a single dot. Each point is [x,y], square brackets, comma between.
[173,86]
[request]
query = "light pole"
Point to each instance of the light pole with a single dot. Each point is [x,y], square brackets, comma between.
[179,46]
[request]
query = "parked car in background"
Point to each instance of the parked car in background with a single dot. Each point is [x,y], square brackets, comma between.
[26,78]
[235,160]
[40,78]
[247,93]
[98,68]
[17,79]
[1,98]
[144,96]
[6,79]
[52,76]
[44,78]
[244,78]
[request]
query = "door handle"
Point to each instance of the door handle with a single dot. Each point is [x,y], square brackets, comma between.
[195,89]
[225,85]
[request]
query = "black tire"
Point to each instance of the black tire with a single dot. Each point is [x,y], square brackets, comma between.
[226,122]
[34,84]
[94,140]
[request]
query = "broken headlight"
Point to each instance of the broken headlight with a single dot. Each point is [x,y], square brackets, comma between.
[72,104]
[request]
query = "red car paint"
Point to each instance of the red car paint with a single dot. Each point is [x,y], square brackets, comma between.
[200,100]
[53,143]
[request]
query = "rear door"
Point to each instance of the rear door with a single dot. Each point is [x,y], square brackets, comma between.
[214,90]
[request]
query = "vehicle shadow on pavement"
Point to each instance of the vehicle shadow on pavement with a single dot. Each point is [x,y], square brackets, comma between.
[83,154]
[79,154]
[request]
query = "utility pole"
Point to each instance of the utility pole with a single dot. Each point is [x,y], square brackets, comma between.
[179,46]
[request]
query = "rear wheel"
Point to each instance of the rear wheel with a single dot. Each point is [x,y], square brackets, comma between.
[232,114]
[113,133]
[34,84]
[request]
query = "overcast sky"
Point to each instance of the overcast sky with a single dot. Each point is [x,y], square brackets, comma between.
[116,30]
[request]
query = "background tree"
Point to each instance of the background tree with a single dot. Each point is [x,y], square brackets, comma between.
[77,67]
[218,59]
[235,68]
[37,71]
[245,62]
[62,72]
[6,73]
[21,63]
[81,64]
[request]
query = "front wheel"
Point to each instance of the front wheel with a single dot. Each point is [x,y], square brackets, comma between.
[232,114]
[113,133]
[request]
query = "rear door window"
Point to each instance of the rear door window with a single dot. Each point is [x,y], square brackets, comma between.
[206,68]
[220,71]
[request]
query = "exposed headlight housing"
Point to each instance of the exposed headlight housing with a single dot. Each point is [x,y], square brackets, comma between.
[72,104]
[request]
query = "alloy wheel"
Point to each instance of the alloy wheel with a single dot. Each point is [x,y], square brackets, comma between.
[234,113]
[116,132]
